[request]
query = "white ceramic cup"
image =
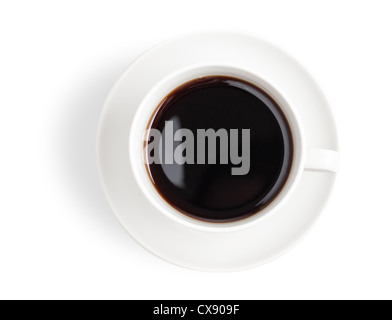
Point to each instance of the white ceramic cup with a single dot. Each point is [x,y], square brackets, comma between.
[304,159]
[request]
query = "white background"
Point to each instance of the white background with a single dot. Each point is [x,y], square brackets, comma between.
[58,237]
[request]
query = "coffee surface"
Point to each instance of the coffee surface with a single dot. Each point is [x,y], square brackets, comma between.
[232,159]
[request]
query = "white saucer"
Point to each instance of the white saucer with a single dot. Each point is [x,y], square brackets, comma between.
[176,243]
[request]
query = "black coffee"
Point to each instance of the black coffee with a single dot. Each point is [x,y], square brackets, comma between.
[220,149]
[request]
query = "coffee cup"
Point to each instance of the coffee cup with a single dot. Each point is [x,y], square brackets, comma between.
[230,79]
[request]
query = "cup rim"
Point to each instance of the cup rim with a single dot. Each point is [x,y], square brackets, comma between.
[146,110]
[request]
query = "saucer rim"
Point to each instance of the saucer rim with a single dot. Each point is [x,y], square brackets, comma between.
[148,247]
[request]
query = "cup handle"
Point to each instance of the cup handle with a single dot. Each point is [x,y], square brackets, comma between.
[322,160]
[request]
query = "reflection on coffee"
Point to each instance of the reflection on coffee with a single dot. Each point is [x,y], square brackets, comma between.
[218,149]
